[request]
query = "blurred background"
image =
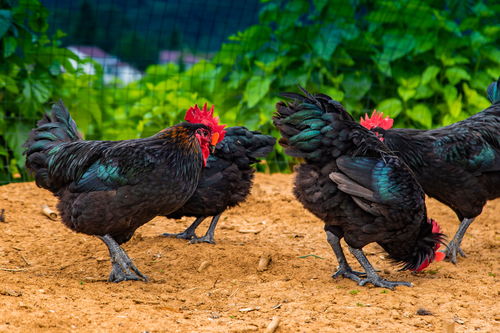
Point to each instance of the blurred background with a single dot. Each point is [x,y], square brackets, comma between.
[128,68]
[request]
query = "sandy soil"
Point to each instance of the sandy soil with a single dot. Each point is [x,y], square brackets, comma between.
[55,280]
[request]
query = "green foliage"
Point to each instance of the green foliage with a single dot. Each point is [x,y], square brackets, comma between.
[426,63]
[34,70]
[433,74]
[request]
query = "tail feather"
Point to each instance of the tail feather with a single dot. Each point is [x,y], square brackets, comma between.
[493,92]
[53,129]
[241,143]
[316,127]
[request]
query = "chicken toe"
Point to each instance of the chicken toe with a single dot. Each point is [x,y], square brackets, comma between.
[344,269]
[209,236]
[377,281]
[189,233]
[123,269]
[372,276]
[452,250]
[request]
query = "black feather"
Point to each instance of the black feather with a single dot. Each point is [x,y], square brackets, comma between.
[372,196]
[228,176]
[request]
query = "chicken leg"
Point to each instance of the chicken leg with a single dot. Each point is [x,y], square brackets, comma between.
[123,269]
[189,233]
[209,236]
[344,269]
[372,275]
[454,245]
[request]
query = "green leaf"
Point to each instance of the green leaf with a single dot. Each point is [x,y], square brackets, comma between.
[9,46]
[256,88]
[421,114]
[334,93]
[390,107]
[5,21]
[425,43]
[37,90]
[455,106]
[269,13]
[492,53]
[326,41]
[406,93]
[356,85]
[478,40]
[424,92]
[397,45]
[410,82]
[429,74]
[478,101]
[456,74]
[15,136]
[450,93]
[55,68]
[320,4]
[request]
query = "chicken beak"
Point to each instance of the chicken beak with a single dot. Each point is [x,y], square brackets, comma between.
[215,139]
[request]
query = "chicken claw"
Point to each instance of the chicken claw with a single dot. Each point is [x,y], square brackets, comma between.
[372,276]
[189,233]
[377,281]
[209,236]
[344,269]
[123,269]
[451,252]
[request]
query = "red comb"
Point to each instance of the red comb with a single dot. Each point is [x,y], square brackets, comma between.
[376,120]
[206,117]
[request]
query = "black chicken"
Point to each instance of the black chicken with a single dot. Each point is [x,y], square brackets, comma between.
[225,181]
[362,192]
[110,188]
[459,164]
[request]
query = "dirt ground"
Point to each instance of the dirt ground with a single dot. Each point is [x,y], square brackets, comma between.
[53,279]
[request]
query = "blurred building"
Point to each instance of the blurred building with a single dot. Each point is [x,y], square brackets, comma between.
[113,68]
[176,57]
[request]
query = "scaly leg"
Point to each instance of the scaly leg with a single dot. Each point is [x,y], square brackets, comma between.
[209,236]
[189,233]
[372,275]
[123,268]
[344,269]
[454,245]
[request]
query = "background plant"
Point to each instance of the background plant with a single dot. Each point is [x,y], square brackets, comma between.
[426,63]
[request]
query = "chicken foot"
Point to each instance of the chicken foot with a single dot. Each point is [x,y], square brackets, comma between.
[189,233]
[372,275]
[454,245]
[344,269]
[209,236]
[123,269]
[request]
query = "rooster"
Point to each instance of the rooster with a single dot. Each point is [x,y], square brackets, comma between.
[459,164]
[108,189]
[225,181]
[351,181]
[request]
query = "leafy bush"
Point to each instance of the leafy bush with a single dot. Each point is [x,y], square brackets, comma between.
[426,63]
[35,70]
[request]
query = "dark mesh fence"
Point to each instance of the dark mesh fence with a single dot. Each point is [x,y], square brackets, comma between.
[134,66]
